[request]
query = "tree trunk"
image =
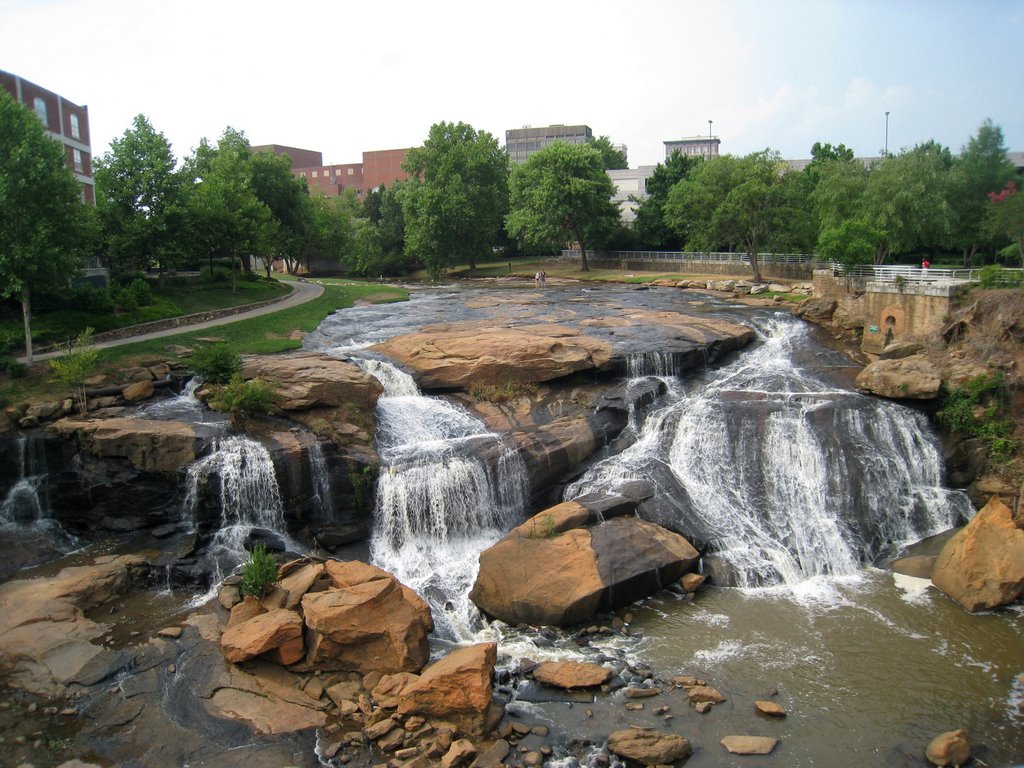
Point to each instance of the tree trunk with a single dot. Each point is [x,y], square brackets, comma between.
[234,274]
[584,267]
[26,313]
[755,271]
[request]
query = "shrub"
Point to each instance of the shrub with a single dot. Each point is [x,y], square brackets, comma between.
[978,409]
[258,572]
[98,301]
[994,276]
[216,364]
[141,291]
[124,299]
[216,275]
[76,365]
[245,398]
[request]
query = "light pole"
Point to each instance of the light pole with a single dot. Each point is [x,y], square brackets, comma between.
[887,134]
[709,139]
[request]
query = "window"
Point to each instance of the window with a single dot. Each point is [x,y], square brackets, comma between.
[39,104]
[75,131]
[302,174]
[77,157]
[351,171]
[314,174]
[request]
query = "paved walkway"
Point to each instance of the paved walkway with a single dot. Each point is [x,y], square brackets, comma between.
[301,293]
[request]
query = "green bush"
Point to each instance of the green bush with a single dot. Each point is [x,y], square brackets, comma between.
[978,408]
[994,276]
[258,572]
[124,299]
[141,290]
[217,275]
[216,364]
[250,277]
[245,398]
[88,298]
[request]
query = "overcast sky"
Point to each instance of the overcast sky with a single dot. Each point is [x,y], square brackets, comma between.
[342,77]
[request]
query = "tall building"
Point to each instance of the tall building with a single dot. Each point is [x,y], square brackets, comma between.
[523,142]
[699,146]
[64,121]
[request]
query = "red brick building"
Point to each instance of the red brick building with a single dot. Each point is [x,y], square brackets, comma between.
[64,121]
[379,167]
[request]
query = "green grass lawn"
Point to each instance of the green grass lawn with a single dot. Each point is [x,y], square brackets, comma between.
[267,334]
[59,325]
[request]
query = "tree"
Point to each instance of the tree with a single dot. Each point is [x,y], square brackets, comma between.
[982,168]
[613,159]
[825,152]
[905,200]
[849,243]
[562,193]
[330,231]
[225,214]
[138,198]
[286,196]
[457,197]
[733,202]
[650,227]
[381,234]
[42,220]
[76,365]
[1005,217]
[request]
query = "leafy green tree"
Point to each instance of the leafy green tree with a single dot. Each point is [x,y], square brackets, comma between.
[732,202]
[381,234]
[905,200]
[76,365]
[43,224]
[838,189]
[138,199]
[562,194]
[1005,217]
[612,158]
[225,213]
[330,231]
[826,152]
[286,196]
[982,168]
[849,243]
[457,197]
[650,227]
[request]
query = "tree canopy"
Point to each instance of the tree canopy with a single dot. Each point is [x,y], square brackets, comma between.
[613,159]
[562,194]
[43,223]
[454,204]
[650,227]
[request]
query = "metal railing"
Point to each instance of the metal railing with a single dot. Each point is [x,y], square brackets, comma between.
[721,257]
[891,273]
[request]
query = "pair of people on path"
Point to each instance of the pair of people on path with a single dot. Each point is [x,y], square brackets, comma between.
[540,278]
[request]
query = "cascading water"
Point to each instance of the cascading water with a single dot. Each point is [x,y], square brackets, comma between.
[321,478]
[783,475]
[440,501]
[246,492]
[27,501]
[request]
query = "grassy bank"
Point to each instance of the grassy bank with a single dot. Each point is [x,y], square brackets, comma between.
[275,332]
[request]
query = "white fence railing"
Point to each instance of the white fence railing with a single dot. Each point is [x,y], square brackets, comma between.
[721,257]
[892,273]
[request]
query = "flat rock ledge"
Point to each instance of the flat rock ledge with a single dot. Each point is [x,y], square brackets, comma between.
[749,745]
[558,569]
[649,747]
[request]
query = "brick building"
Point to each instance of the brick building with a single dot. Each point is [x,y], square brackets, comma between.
[379,167]
[64,121]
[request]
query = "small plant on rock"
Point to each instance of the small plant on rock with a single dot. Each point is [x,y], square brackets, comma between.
[245,398]
[259,572]
[216,364]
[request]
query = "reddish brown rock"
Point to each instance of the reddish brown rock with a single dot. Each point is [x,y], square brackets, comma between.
[279,630]
[770,708]
[455,689]
[749,745]
[649,747]
[950,748]
[911,377]
[149,444]
[982,566]
[305,380]
[571,674]
[698,693]
[140,390]
[547,572]
[373,625]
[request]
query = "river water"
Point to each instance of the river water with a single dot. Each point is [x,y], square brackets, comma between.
[799,484]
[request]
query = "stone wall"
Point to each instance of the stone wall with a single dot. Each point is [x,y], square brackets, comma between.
[769,270]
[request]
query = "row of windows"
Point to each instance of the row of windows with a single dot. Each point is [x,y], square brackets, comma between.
[39,105]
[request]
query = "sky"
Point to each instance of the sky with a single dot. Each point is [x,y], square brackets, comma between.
[342,77]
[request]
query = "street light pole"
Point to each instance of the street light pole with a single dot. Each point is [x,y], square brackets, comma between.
[709,139]
[887,134]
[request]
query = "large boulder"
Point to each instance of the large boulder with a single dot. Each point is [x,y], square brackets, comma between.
[277,632]
[550,571]
[571,674]
[47,645]
[913,378]
[456,689]
[461,357]
[367,622]
[307,380]
[950,748]
[649,747]
[983,565]
[149,445]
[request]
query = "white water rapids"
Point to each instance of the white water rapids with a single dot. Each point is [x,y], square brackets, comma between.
[786,477]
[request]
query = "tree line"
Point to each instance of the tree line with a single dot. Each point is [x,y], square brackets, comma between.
[464,201]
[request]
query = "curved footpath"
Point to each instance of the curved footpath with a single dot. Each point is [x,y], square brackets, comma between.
[301,293]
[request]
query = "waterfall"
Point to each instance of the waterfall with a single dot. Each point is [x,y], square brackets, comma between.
[27,501]
[785,476]
[321,478]
[661,364]
[246,492]
[447,489]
